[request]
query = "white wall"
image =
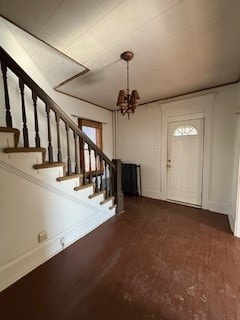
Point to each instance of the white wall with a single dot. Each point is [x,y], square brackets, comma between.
[223,144]
[139,141]
[235,218]
[68,104]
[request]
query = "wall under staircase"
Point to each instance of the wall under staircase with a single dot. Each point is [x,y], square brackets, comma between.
[34,200]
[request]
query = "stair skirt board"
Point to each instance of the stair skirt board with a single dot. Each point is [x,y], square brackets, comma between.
[18,268]
[76,199]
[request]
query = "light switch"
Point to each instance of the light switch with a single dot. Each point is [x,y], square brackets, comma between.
[42,236]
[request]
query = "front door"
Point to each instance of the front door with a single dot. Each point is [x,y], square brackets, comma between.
[185,161]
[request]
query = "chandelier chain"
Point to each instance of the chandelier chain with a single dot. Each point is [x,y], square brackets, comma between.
[127,77]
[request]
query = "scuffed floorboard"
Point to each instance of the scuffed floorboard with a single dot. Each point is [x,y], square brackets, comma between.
[157,261]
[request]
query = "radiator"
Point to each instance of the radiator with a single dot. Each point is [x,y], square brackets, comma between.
[130,178]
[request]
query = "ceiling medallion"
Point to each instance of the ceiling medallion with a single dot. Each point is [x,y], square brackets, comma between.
[126,101]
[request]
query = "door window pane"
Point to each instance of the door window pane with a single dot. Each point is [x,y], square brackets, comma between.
[185,130]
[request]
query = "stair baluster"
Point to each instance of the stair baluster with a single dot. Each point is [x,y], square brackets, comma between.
[82,159]
[76,152]
[110,181]
[7,101]
[90,163]
[50,149]
[37,137]
[24,117]
[69,165]
[106,178]
[59,153]
[101,173]
[96,171]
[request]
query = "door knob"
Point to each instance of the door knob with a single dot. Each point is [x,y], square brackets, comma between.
[168,166]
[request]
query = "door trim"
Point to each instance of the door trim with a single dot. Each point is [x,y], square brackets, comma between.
[185,110]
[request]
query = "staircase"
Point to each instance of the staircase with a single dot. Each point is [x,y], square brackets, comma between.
[43,157]
[9,139]
[103,175]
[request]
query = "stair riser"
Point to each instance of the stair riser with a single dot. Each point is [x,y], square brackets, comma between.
[50,175]
[69,185]
[85,193]
[7,140]
[107,204]
[25,161]
[97,199]
[22,161]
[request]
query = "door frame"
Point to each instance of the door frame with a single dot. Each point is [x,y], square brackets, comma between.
[202,158]
[184,110]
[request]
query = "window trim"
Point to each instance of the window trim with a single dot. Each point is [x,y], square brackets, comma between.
[97,125]
[93,124]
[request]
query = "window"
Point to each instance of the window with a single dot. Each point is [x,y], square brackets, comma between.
[93,130]
[185,130]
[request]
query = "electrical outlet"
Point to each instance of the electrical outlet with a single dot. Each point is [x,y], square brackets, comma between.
[42,236]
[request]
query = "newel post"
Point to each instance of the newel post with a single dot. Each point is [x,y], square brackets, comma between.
[117,185]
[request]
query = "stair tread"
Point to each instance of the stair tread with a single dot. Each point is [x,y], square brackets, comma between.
[107,200]
[6,129]
[71,176]
[24,149]
[84,186]
[96,194]
[114,206]
[46,165]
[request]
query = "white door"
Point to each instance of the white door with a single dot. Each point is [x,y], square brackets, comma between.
[185,161]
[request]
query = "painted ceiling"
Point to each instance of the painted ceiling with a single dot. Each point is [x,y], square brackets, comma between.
[180,46]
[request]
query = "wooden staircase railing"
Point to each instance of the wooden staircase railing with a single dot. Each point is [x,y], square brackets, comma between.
[105,174]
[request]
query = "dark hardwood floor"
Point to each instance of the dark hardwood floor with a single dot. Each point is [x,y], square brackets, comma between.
[157,261]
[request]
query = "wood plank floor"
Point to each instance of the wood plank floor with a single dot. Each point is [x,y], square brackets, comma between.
[157,261]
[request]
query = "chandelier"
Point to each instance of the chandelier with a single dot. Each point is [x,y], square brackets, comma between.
[126,101]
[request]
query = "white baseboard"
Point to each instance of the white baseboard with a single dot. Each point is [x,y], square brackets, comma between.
[151,194]
[16,269]
[218,207]
[231,222]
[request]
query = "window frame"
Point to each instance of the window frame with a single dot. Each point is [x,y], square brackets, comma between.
[93,124]
[99,143]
